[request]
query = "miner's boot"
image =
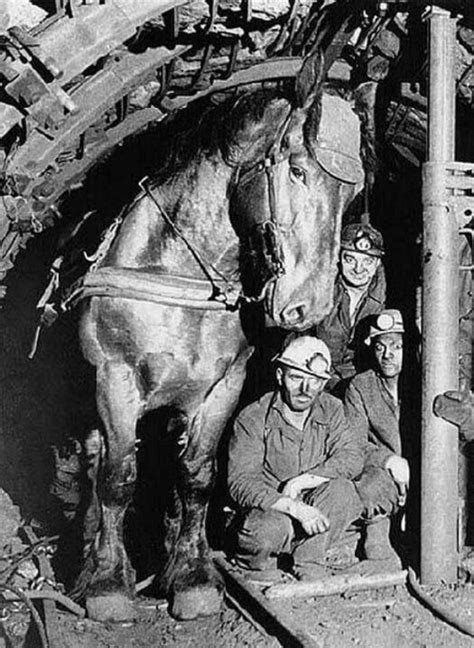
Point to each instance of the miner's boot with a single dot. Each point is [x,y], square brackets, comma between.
[377,544]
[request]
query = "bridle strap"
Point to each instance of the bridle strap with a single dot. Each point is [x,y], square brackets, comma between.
[217,293]
[269,227]
[272,223]
[272,158]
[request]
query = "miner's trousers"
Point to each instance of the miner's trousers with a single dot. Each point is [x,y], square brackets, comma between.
[263,535]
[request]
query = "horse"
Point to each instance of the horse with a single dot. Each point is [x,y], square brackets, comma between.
[248,210]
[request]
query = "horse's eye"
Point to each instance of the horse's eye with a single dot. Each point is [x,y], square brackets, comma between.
[298,173]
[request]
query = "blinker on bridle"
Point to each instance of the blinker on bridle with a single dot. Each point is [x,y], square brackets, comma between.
[269,229]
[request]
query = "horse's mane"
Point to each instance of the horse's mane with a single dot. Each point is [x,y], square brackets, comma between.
[229,124]
[209,127]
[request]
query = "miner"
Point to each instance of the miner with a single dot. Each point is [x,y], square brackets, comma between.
[292,459]
[372,405]
[359,292]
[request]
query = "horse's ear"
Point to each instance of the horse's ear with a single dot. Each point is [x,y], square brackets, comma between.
[309,79]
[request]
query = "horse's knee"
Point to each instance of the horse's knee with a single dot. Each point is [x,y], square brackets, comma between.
[197,476]
[118,481]
[117,495]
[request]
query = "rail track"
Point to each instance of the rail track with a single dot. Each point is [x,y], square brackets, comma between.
[346,610]
[266,605]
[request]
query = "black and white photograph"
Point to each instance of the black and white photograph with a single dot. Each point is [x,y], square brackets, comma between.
[236,382]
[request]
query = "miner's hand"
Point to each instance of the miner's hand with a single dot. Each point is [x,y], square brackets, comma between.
[310,518]
[400,471]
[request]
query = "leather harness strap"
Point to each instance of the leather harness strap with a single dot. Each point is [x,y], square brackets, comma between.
[166,289]
[204,264]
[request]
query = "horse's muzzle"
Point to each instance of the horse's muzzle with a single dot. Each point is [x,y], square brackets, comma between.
[295,316]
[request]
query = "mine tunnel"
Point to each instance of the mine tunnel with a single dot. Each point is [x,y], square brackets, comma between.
[94,94]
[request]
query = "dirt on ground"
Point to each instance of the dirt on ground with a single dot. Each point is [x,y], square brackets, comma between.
[388,618]
[155,627]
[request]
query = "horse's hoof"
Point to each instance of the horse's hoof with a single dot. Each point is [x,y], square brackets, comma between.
[110,607]
[195,602]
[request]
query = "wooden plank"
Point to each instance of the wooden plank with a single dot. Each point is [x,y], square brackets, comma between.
[284,67]
[97,30]
[93,98]
[338,584]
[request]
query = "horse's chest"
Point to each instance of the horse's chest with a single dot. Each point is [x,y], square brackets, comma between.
[143,328]
[177,354]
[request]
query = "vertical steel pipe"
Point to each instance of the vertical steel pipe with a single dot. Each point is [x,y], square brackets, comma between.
[439,465]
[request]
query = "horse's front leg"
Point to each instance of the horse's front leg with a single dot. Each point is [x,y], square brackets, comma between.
[193,584]
[111,580]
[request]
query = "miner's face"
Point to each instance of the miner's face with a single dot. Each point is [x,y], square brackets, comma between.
[357,268]
[388,352]
[299,389]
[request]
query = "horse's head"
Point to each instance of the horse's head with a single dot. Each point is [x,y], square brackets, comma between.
[298,168]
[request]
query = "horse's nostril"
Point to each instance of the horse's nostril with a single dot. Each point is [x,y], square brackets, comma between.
[295,314]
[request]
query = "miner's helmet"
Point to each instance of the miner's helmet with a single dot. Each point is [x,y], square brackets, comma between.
[389,320]
[361,237]
[308,354]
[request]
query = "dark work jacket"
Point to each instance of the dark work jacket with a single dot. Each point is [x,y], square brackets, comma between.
[374,417]
[336,329]
[266,450]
